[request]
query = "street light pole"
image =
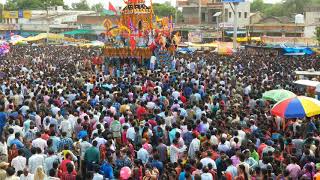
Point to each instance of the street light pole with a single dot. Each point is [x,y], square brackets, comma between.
[200,13]
[235,26]
[47,17]
[176,14]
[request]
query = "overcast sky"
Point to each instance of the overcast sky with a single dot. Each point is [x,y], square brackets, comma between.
[116,2]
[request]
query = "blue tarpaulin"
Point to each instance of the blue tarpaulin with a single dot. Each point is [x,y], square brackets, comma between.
[298,50]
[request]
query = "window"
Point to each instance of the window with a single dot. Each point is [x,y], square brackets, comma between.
[245,15]
[239,14]
[230,14]
[203,17]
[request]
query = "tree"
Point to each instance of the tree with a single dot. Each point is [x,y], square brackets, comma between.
[97,7]
[31,4]
[257,5]
[166,10]
[317,33]
[286,8]
[81,6]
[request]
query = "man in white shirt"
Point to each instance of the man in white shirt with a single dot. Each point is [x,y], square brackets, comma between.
[175,151]
[131,133]
[39,142]
[19,162]
[213,139]
[54,110]
[206,175]
[194,147]
[207,160]
[26,175]
[35,160]
[143,155]
[10,137]
[66,127]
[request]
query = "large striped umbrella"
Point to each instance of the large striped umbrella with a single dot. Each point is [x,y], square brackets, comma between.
[297,107]
[278,95]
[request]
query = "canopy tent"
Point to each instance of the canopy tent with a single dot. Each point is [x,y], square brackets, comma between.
[316,50]
[246,39]
[41,36]
[214,44]
[307,83]
[238,32]
[93,44]
[15,39]
[294,54]
[27,34]
[79,31]
[186,50]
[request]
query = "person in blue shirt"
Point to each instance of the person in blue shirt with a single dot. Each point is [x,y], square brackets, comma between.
[106,168]
[311,127]
[156,163]
[3,120]
[83,133]
[187,171]
[17,141]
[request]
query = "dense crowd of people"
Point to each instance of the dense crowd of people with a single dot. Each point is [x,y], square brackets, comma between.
[66,114]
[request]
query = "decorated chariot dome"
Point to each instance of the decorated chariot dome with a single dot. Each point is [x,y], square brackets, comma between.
[137,14]
[139,34]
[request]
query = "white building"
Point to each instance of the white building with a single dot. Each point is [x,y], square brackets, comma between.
[56,19]
[243,14]
[312,20]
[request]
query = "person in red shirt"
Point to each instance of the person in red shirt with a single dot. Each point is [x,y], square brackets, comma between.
[45,135]
[261,148]
[183,98]
[141,111]
[124,135]
[64,164]
[70,174]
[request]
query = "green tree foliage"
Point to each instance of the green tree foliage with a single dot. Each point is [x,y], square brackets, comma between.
[166,10]
[258,5]
[81,6]
[97,7]
[31,4]
[286,8]
[317,33]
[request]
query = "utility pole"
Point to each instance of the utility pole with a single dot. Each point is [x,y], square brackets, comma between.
[235,26]
[176,14]
[47,17]
[200,13]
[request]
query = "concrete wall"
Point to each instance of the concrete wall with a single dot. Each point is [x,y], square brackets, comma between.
[309,31]
[243,8]
[191,15]
[312,17]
